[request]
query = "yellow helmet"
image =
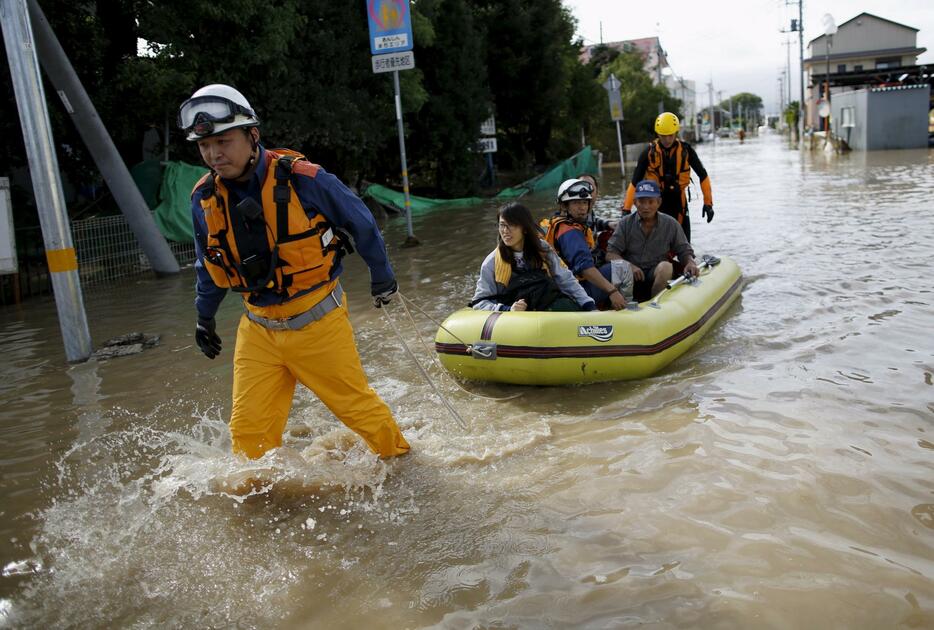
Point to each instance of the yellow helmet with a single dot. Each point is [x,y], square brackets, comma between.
[666,124]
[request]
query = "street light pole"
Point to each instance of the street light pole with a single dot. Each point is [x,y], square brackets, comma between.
[827,81]
[830,28]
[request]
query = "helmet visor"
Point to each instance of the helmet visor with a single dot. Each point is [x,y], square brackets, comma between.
[581,190]
[198,115]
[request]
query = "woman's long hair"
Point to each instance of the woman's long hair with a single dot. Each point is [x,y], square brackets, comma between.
[516,214]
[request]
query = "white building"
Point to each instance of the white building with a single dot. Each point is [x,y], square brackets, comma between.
[867,50]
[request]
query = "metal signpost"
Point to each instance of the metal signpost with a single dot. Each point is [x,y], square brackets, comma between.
[612,85]
[8,261]
[46,183]
[487,145]
[391,45]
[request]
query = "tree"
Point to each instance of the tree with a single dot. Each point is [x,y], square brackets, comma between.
[583,103]
[446,128]
[305,68]
[528,74]
[744,102]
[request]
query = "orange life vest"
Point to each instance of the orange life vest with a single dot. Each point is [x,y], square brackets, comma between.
[557,226]
[679,180]
[302,249]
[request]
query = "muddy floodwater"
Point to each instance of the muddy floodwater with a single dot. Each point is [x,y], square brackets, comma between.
[778,475]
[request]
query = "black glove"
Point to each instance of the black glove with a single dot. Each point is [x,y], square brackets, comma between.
[382,293]
[206,338]
[707,212]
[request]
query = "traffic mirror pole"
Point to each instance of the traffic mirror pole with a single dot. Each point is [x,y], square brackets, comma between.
[46,182]
[612,85]
[410,240]
[622,151]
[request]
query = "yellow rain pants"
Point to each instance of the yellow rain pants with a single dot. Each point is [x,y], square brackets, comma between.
[323,357]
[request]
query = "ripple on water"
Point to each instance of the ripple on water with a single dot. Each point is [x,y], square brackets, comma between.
[777,475]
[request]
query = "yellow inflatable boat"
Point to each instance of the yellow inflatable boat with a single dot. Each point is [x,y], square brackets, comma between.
[544,348]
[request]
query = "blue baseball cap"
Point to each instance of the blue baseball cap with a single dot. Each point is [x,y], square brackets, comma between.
[647,188]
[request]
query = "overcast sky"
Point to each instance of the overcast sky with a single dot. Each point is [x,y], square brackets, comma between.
[736,43]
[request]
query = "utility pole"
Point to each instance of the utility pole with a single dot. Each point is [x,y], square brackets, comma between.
[100,145]
[658,69]
[713,123]
[720,107]
[797,25]
[782,78]
[46,182]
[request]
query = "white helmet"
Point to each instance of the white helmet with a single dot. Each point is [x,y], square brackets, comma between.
[571,189]
[214,109]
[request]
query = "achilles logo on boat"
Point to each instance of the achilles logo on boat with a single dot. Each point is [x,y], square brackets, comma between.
[599,333]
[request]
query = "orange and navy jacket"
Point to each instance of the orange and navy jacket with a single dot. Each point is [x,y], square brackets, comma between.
[318,201]
[573,242]
[651,165]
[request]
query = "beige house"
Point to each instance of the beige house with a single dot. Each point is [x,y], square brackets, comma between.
[867,50]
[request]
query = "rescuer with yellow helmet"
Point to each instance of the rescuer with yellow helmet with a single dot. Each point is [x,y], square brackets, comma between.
[273,227]
[669,161]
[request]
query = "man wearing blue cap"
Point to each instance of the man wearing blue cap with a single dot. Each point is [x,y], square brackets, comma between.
[645,237]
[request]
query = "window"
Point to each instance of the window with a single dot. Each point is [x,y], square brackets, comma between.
[888,62]
[858,67]
[848,117]
[841,67]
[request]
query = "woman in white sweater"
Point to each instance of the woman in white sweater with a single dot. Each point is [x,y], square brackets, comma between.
[524,273]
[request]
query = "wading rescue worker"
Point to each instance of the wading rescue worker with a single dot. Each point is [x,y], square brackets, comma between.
[574,241]
[644,238]
[669,161]
[271,226]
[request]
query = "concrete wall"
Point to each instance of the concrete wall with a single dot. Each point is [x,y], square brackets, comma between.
[884,118]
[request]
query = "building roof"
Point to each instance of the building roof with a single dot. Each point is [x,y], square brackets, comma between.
[907,50]
[892,88]
[645,45]
[912,28]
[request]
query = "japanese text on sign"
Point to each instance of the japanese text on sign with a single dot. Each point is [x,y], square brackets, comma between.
[394,61]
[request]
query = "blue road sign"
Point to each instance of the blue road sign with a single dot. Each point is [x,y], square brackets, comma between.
[390,26]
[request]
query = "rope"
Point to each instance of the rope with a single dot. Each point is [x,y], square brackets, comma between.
[434,356]
[454,414]
[436,322]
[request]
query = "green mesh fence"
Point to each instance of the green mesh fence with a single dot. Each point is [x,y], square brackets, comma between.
[174,182]
[581,162]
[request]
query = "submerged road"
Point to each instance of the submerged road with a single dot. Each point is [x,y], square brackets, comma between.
[779,475]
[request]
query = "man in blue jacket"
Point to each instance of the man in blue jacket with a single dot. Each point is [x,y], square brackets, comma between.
[571,237]
[272,226]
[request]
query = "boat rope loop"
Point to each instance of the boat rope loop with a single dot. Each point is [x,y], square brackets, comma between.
[406,302]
